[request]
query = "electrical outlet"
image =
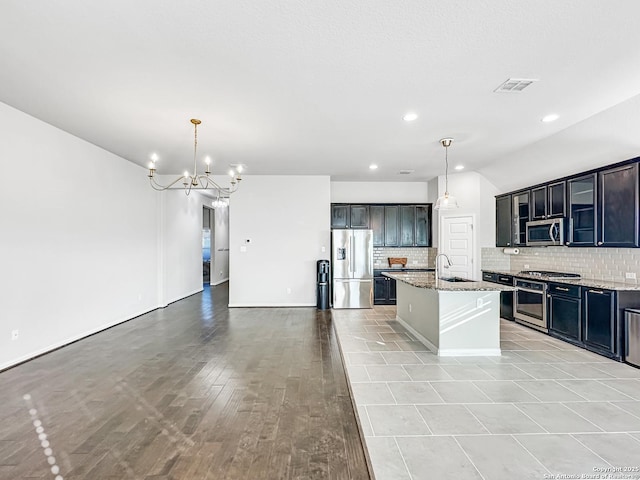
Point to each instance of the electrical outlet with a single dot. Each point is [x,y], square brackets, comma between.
[479,303]
[526,265]
[409,308]
[288,290]
[15,334]
[630,275]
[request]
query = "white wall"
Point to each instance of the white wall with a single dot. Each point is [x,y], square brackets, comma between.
[77,254]
[84,240]
[181,251]
[287,220]
[379,192]
[475,195]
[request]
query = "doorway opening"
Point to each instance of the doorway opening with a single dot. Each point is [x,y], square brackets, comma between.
[208,225]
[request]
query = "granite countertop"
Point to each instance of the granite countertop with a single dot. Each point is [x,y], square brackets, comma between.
[581,282]
[428,280]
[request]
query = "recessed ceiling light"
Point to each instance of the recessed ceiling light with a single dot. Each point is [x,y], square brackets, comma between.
[550,118]
[410,117]
[459,167]
[373,166]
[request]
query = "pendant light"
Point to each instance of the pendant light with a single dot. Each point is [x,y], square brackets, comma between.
[446,202]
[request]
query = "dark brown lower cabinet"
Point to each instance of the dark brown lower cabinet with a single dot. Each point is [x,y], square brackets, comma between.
[599,326]
[564,310]
[384,291]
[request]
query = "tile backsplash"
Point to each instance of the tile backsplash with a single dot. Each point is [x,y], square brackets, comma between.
[611,264]
[416,256]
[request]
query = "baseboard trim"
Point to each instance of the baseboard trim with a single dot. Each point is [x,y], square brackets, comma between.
[470,352]
[269,305]
[81,336]
[220,281]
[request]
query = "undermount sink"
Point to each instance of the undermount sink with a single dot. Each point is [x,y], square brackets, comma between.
[456,279]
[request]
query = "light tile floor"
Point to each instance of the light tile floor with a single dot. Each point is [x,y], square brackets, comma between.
[542,410]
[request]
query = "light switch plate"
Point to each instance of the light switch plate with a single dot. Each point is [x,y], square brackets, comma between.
[630,275]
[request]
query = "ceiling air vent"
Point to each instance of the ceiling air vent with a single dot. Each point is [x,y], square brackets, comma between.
[406,172]
[515,85]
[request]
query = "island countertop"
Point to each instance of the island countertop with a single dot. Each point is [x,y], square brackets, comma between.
[428,280]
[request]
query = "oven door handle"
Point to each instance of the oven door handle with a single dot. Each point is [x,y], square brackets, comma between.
[541,292]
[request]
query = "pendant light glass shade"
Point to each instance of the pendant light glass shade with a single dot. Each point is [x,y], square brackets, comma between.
[446,202]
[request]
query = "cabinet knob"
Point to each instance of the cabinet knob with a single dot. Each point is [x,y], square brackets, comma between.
[566,243]
[508,243]
[599,243]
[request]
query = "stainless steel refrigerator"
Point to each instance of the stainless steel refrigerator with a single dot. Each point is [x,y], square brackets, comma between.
[352,266]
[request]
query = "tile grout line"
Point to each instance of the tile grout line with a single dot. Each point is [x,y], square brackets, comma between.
[402,457]
[467,455]
[532,455]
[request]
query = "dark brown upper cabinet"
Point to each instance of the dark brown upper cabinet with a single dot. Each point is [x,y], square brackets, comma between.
[581,194]
[557,200]
[618,206]
[503,221]
[520,212]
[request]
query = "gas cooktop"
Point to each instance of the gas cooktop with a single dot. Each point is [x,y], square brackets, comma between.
[548,274]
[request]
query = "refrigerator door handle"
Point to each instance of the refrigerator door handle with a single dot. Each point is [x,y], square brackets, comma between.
[353,254]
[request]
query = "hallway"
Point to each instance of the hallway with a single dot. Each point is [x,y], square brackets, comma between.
[192,391]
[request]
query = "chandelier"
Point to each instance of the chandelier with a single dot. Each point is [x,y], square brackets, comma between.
[446,202]
[195,180]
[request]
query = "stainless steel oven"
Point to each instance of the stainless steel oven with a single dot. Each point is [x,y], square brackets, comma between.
[531,304]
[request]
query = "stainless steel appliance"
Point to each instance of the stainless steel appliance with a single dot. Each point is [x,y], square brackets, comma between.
[542,233]
[352,265]
[632,332]
[531,304]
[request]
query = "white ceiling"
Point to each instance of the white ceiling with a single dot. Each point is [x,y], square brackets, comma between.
[320,87]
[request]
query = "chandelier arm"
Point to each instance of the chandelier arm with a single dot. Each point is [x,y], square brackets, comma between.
[160,187]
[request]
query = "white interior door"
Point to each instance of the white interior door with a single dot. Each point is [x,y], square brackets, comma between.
[457,242]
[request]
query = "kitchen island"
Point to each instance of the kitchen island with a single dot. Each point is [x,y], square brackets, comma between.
[452,318]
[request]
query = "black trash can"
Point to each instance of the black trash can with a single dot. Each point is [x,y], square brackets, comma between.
[322,288]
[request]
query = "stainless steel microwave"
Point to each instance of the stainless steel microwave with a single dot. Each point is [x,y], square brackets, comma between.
[542,233]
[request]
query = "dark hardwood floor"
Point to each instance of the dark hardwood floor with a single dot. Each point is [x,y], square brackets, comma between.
[193,391]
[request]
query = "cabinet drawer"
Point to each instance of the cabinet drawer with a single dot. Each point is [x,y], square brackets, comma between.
[489,277]
[563,289]
[504,279]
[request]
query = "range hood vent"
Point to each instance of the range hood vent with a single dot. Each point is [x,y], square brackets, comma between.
[515,85]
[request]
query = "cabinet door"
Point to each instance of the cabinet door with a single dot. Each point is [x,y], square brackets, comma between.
[503,221]
[391,283]
[539,203]
[423,226]
[380,294]
[376,215]
[520,217]
[506,305]
[359,216]
[391,226]
[582,209]
[407,225]
[618,207]
[339,216]
[598,325]
[557,199]
[565,316]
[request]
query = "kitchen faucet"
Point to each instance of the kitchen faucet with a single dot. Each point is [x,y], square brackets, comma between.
[446,266]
